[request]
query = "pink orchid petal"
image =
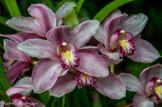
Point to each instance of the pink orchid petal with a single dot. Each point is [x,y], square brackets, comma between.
[59,34]
[92,64]
[43,15]
[21,37]
[112,26]
[111,61]
[135,23]
[45,74]
[38,48]
[63,11]
[111,86]
[132,83]
[12,53]
[142,101]
[112,55]
[64,85]
[7,64]
[25,24]
[111,16]
[18,89]
[144,52]
[83,32]
[16,70]
[89,47]
[150,72]
[24,81]
[101,35]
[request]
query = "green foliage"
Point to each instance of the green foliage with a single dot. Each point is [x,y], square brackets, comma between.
[101,15]
[79,5]
[13,8]
[71,19]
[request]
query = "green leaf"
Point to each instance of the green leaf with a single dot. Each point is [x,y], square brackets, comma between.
[102,14]
[43,97]
[82,97]
[4,83]
[79,5]
[3,20]
[49,3]
[13,8]
[71,19]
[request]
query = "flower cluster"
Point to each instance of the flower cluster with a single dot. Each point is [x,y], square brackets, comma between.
[62,61]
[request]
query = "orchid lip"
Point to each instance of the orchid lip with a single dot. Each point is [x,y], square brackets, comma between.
[84,79]
[154,89]
[68,55]
[123,41]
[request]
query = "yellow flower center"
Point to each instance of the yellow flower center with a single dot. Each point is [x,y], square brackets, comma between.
[158,90]
[67,55]
[124,45]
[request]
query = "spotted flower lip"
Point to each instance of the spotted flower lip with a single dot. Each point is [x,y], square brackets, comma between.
[117,26]
[16,62]
[110,86]
[43,19]
[61,51]
[148,87]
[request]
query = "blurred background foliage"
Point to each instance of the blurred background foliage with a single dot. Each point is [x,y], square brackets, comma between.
[87,97]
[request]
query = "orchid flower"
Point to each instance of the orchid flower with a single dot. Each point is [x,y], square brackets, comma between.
[110,86]
[148,87]
[19,94]
[120,35]
[16,62]
[62,51]
[43,19]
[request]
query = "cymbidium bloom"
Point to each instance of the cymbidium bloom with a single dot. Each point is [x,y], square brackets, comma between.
[120,35]
[16,62]
[62,51]
[19,94]
[148,87]
[110,86]
[43,19]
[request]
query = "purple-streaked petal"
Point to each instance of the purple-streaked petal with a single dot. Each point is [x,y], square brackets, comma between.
[132,83]
[64,85]
[43,16]
[21,37]
[112,55]
[135,23]
[45,74]
[111,61]
[24,81]
[89,47]
[142,101]
[83,32]
[18,89]
[112,26]
[111,86]
[92,63]
[150,72]
[101,35]
[12,53]
[57,35]
[63,11]
[113,15]
[17,70]
[144,52]
[38,48]
[26,24]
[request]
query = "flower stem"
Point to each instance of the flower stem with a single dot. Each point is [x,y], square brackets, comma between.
[63,101]
[112,68]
